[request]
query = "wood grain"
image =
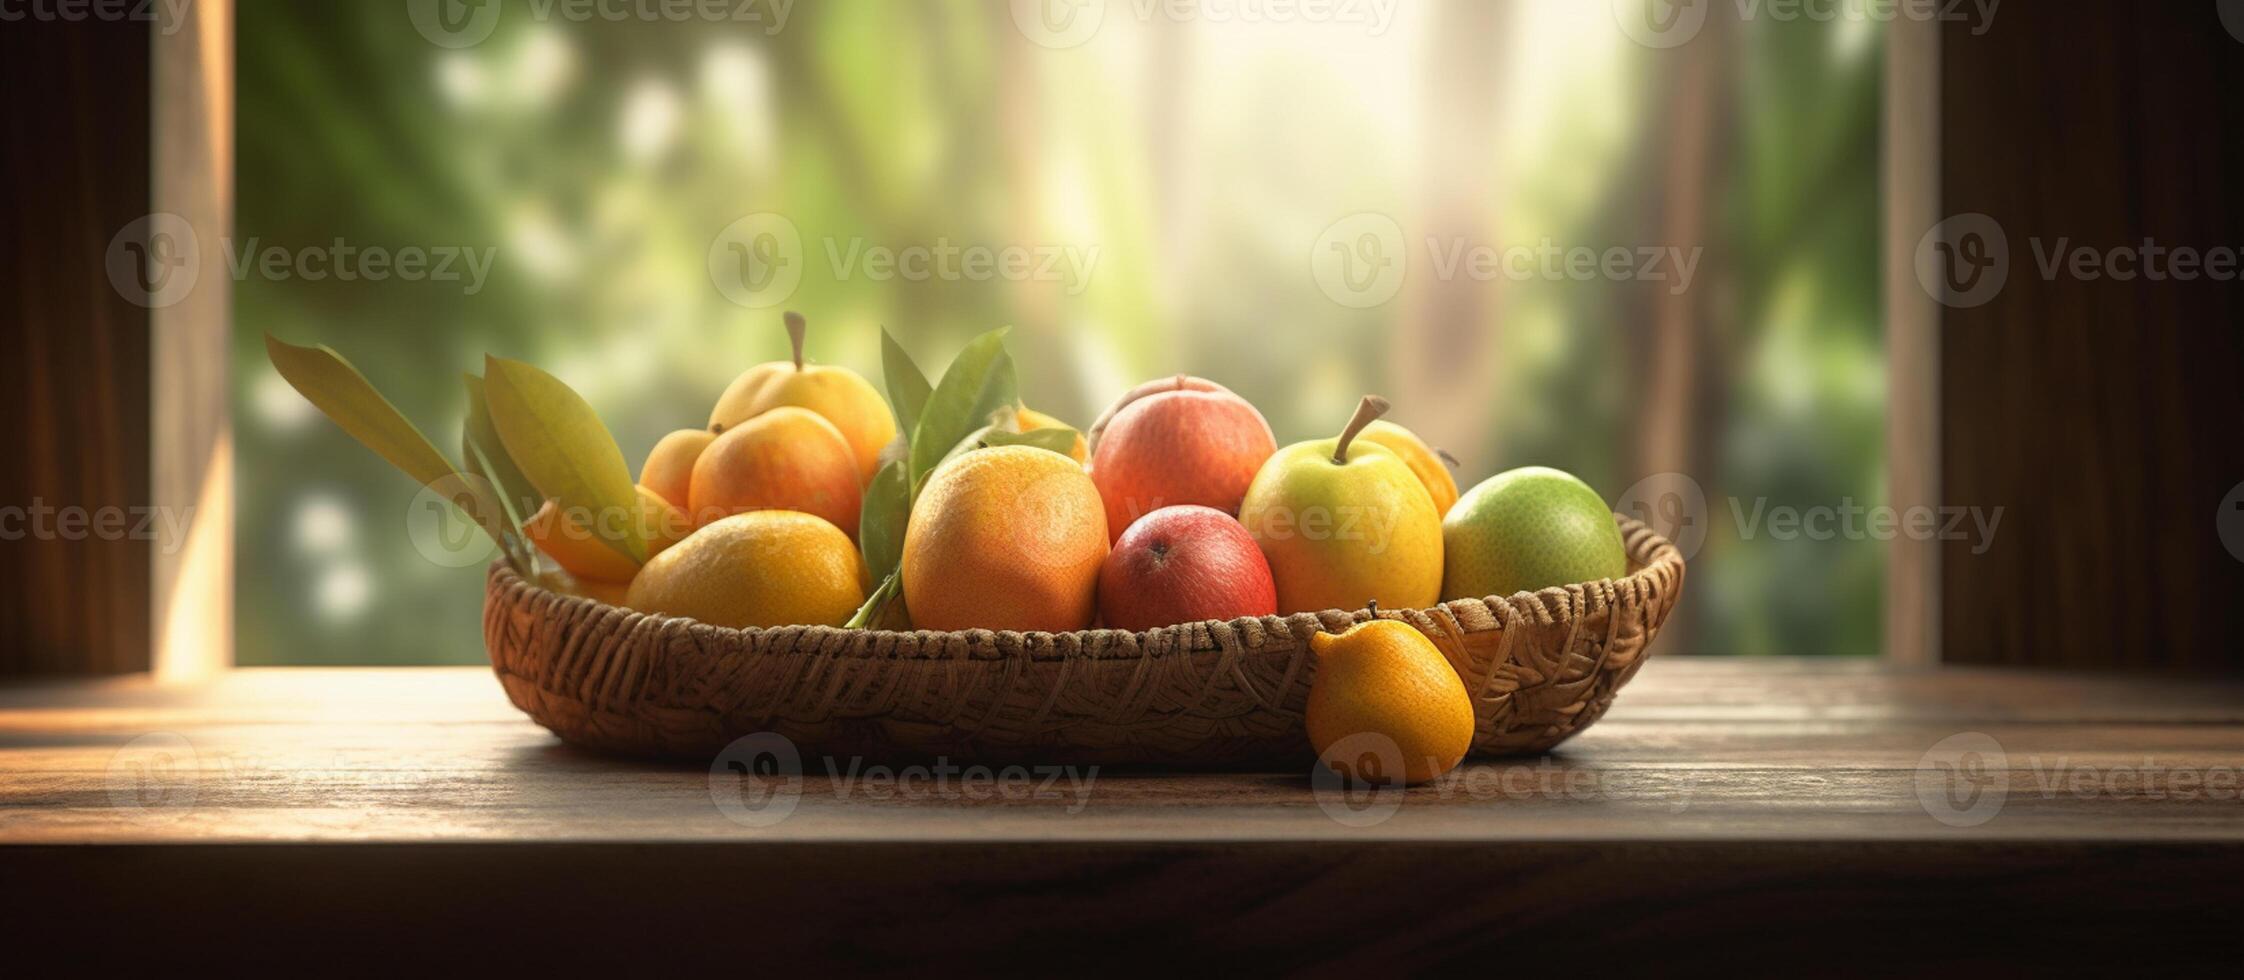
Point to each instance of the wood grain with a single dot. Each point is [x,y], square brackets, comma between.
[2100,413]
[1759,809]
[74,152]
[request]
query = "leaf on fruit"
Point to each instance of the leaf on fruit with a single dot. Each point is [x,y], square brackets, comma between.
[519,552]
[908,389]
[344,395]
[563,448]
[882,518]
[978,383]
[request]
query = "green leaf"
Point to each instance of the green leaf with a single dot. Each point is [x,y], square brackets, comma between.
[907,384]
[882,609]
[340,392]
[516,492]
[978,383]
[562,447]
[882,518]
[519,552]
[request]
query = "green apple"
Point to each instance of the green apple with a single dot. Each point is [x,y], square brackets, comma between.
[1528,529]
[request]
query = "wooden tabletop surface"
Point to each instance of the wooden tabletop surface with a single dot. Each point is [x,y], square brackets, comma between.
[1694,749]
[1782,785]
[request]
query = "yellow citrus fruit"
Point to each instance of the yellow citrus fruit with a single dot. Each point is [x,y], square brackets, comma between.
[1005,538]
[669,467]
[579,542]
[1030,420]
[1423,460]
[785,459]
[763,568]
[1386,706]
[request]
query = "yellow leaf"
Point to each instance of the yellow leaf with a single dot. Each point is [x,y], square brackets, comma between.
[561,446]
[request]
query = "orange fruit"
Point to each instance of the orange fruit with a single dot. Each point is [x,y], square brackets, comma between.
[1030,420]
[785,459]
[764,568]
[1006,538]
[1385,705]
[669,467]
[579,542]
[1423,460]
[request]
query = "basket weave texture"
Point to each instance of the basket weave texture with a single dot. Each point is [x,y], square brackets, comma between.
[1540,667]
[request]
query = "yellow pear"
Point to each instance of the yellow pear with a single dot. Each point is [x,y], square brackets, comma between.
[1431,465]
[1345,522]
[840,394]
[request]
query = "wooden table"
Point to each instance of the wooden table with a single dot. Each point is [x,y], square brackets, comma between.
[1732,810]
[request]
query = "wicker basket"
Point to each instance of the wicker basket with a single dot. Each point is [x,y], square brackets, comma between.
[1541,667]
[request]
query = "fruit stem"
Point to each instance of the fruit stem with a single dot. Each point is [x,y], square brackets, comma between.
[796,329]
[1371,408]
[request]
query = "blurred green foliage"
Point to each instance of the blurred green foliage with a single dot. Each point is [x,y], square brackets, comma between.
[1190,167]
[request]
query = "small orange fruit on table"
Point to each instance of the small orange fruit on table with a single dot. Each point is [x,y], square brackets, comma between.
[1005,538]
[1386,706]
[764,568]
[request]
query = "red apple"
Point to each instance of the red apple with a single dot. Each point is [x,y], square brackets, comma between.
[1178,440]
[1183,565]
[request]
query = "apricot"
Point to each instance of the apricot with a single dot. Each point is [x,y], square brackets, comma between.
[788,458]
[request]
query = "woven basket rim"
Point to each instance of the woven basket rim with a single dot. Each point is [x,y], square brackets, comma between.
[1655,564]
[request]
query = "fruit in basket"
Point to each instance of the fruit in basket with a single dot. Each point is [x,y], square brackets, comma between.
[1431,465]
[763,568]
[1180,440]
[668,470]
[1005,538]
[1029,420]
[1343,522]
[579,542]
[1528,529]
[788,458]
[1385,705]
[1183,565]
[843,397]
